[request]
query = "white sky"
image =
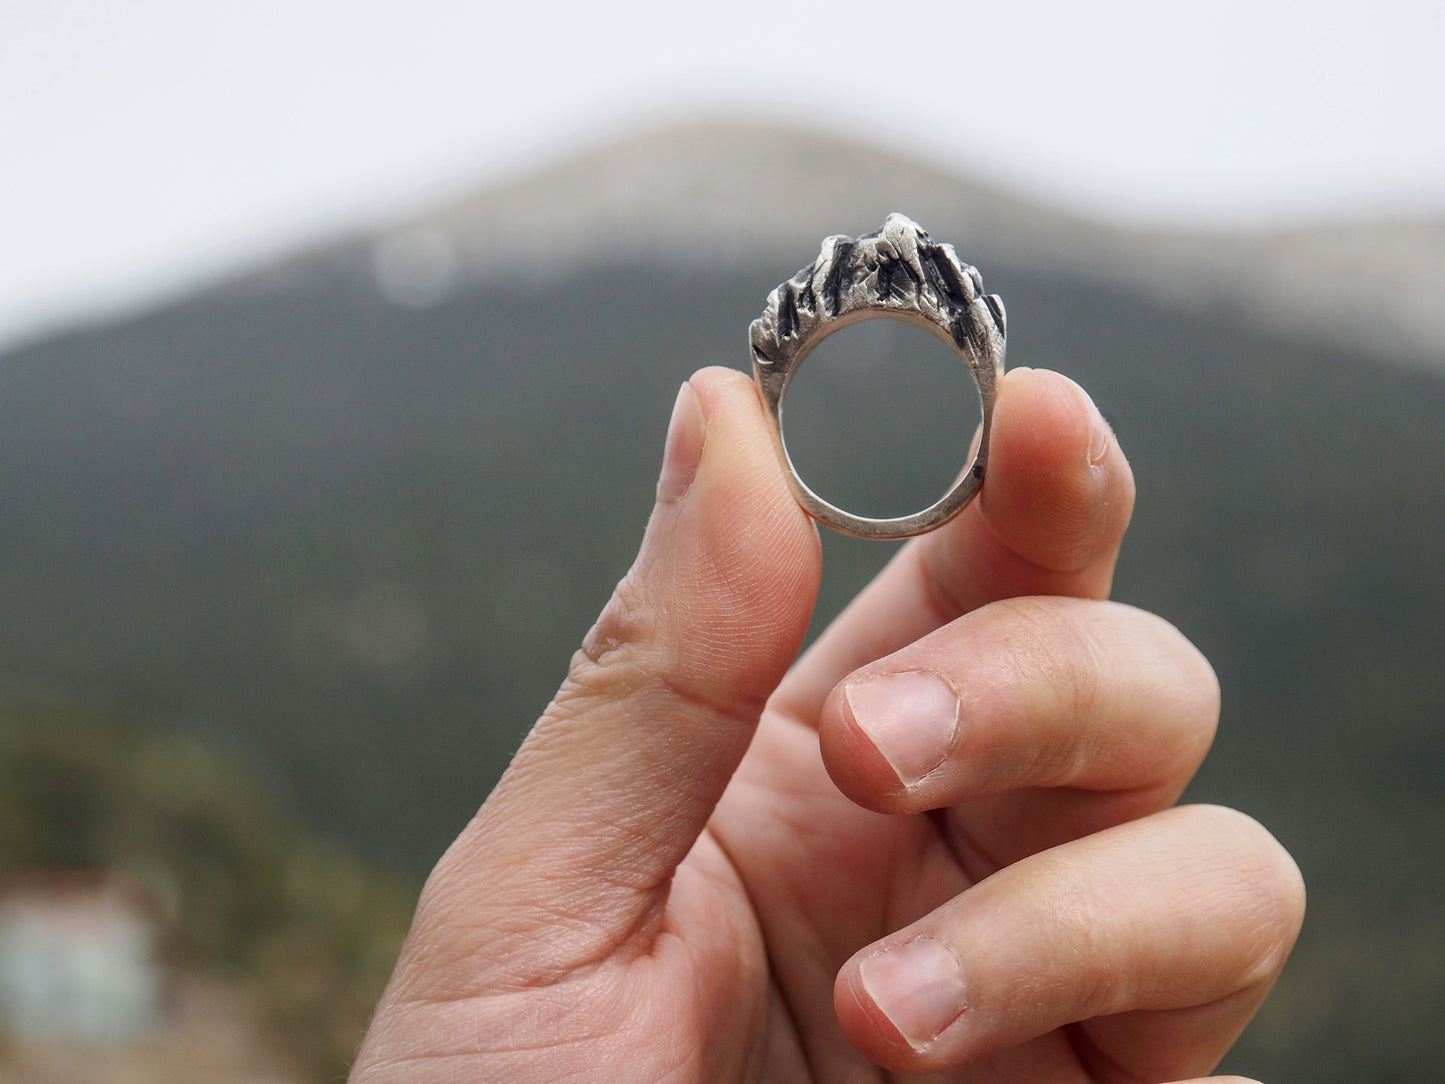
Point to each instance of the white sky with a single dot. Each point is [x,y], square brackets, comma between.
[149,142]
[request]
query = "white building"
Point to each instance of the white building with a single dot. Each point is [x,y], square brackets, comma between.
[78,957]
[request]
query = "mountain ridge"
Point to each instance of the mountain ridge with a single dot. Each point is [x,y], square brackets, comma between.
[727,193]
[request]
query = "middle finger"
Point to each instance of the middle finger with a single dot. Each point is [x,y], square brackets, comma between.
[1039,719]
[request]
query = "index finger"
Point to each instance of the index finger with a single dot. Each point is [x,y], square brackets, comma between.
[1049,521]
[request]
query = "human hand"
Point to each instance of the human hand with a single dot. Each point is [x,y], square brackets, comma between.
[942,841]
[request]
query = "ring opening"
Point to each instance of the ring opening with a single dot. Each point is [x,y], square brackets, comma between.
[879,418]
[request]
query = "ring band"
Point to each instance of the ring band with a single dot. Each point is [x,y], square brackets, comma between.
[896,273]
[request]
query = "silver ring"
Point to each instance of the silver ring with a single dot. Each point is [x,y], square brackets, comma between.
[896,273]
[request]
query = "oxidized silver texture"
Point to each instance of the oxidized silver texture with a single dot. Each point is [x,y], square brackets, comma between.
[897,273]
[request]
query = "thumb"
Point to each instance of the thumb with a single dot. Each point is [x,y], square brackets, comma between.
[579,841]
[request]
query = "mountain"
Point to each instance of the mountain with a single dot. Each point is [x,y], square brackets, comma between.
[731,194]
[350,512]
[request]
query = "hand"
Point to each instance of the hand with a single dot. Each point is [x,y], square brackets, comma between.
[942,842]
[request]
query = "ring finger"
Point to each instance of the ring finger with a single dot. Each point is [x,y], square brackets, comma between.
[1150,944]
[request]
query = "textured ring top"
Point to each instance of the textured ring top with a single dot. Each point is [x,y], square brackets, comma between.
[897,273]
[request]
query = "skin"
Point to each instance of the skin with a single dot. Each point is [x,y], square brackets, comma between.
[703,864]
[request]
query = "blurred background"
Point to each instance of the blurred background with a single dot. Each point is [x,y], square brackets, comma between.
[337,342]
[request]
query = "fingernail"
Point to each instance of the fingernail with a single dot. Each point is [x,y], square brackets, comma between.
[911,718]
[918,986]
[1099,431]
[683,451]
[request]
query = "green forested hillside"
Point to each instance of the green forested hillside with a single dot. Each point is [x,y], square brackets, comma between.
[357,543]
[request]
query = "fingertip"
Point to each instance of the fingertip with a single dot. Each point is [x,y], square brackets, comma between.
[742,464]
[728,391]
[1048,421]
[1275,890]
[714,382]
[1059,492]
[738,556]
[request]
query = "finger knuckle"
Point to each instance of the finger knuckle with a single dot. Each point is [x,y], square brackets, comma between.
[1196,677]
[625,623]
[613,653]
[1084,919]
[1185,686]
[1054,651]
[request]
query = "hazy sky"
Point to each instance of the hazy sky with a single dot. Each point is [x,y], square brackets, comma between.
[145,143]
